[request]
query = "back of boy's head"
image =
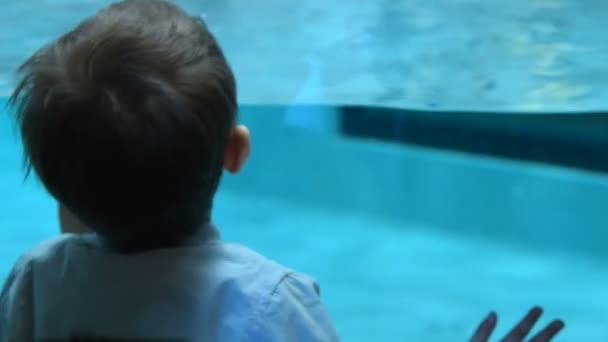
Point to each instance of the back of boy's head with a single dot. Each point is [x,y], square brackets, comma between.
[125,121]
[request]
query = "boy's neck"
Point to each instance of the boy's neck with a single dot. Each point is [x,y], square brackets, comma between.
[208,232]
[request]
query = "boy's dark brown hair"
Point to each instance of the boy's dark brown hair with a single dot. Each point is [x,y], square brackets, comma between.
[125,121]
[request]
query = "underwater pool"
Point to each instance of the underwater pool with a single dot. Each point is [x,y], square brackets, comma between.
[408,243]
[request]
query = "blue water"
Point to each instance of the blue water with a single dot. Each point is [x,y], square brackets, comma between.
[459,54]
[422,260]
[408,244]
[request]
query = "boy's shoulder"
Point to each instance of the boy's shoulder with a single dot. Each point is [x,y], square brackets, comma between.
[16,291]
[44,250]
[236,261]
[217,260]
[222,255]
[230,269]
[232,279]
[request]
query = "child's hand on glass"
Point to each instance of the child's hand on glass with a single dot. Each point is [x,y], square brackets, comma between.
[521,330]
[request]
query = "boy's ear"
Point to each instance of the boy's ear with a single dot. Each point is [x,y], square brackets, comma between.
[237,150]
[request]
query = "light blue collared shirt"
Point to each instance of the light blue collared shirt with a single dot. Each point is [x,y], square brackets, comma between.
[212,291]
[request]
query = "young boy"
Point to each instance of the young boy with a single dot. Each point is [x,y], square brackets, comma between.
[128,121]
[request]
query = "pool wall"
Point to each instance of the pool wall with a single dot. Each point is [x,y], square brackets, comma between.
[527,203]
[311,164]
